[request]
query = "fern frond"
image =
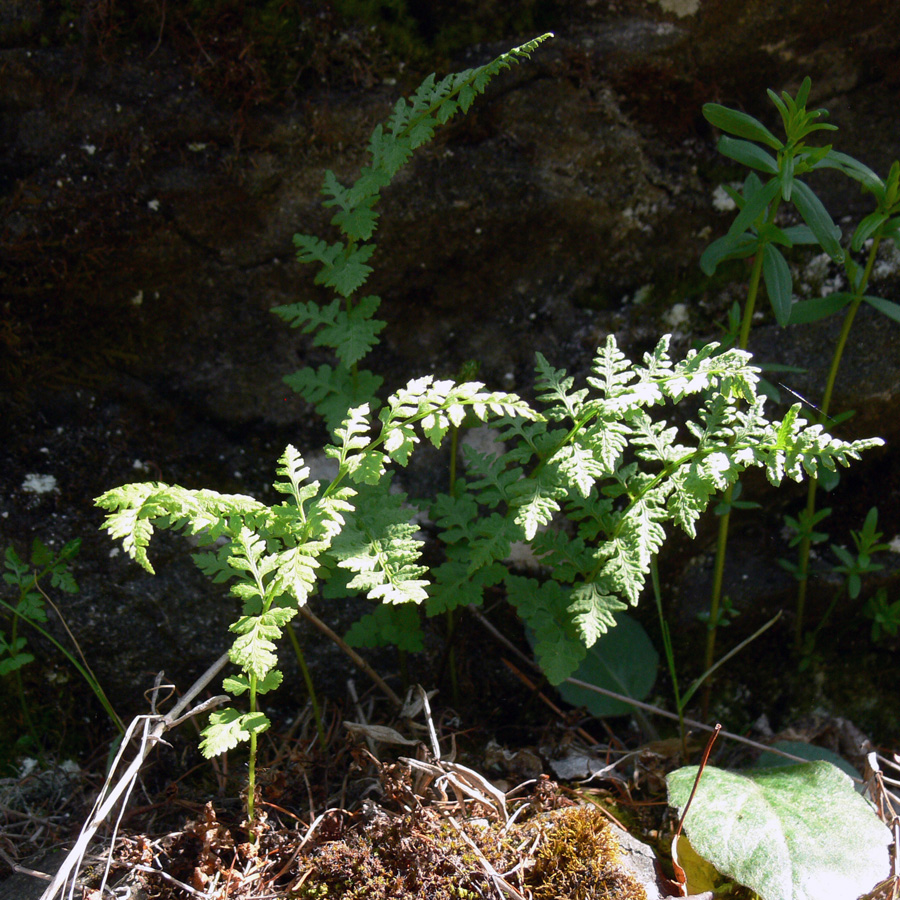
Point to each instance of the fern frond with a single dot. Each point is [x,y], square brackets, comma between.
[455,516]
[227,728]
[798,449]
[612,369]
[544,610]
[296,573]
[326,514]
[567,557]
[494,537]
[535,500]
[629,552]
[688,498]
[554,387]
[254,649]
[350,333]
[455,584]
[332,389]
[494,478]
[654,440]
[592,610]
[344,266]
[388,625]
[581,465]
[378,545]
[137,508]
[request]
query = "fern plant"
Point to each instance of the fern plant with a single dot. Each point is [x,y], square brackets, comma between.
[599,457]
[594,481]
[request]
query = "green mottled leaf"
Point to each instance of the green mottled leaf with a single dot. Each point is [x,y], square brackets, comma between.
[789,833]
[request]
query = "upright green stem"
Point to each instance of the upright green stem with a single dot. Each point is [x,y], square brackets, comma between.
[715,599]
[806,542]
[718,576]
[251,771]
[310,687]
[450,615]
[752,292]
[670,653]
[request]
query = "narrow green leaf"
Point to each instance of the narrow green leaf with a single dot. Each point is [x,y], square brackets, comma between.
[777,276]
[740,123]
[820,222]
[806,311]
[866,228]
[886,307]
[750,155]
[854,169]
[756,204]
[729,246]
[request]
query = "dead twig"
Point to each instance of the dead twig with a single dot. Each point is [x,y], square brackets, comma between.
[153,728]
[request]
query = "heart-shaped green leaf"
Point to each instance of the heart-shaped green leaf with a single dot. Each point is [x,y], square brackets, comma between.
[622,660]
[789,833]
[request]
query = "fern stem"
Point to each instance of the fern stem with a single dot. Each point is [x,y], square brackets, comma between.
[310,687]
[718,578]
[670,653]
[806,542]
[251,770]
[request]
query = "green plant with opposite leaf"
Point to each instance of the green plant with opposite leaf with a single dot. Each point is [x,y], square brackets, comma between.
[590,477]
[756,234]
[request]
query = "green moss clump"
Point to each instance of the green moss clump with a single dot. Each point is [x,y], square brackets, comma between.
[578,858]
[572,853]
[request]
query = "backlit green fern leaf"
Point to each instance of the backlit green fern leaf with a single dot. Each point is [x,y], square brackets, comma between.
[535,501]
[254,649]
[138,507]
[296,574]
[378,545]
[689,496]
[612,369]
[797,449]
[227,728]
[629,553]
[554,387]
[655,441]
[592,611]
[580,465]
